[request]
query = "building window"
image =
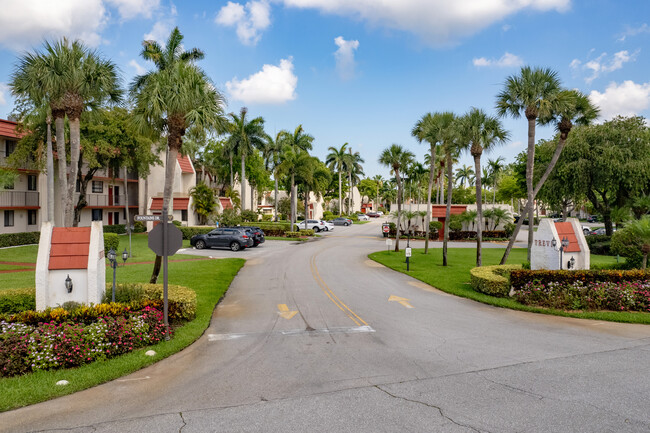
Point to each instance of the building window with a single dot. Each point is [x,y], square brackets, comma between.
[183,214]
[31,217]
[10,147]
[9,218]
[116,217]
[98,187]
[97,215]
[31,182]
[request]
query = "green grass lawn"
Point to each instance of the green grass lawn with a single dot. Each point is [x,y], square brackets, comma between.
[209,278]
[455,278]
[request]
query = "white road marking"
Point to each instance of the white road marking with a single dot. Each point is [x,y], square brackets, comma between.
[292,332]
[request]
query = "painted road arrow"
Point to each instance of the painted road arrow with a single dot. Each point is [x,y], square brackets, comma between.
[402,301]
[284,311]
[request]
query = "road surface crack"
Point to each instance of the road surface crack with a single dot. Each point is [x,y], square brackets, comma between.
[180,430]
[439,409]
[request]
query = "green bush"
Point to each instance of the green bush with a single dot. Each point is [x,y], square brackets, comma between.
[181,300]
[177,223]
[509,228]
[111,240]
[292,234]
[229,217]
[599,244]
[14,239]
[267,218]
[627,245]
[139,227]
[306,233]
[519,278]
[435,226]
[327,215]
[248,216]
[120,229]
[14,301]
[455,223]
[492,280]
[188,232]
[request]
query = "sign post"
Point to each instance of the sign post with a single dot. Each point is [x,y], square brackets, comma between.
[164,240]
[407,252]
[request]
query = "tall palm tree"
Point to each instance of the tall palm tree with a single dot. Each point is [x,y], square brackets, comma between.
[170,100]
[496,166]
[482,132]
[352,164]
[379,181]
[245,136]
[534,93]
[396,157]
[335,161]
[569,107]
[271,153]
[314,176]
[463,174]
[298,140]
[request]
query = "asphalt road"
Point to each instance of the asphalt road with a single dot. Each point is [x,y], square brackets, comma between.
[308,340]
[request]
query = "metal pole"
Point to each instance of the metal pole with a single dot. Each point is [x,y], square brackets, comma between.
[165,302]
[113,265]
[561,250]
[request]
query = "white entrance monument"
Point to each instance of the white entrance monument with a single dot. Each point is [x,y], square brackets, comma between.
[70,265]
[559,245]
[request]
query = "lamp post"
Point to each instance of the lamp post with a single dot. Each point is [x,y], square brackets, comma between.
[125,256]
[113,260]
[564,243]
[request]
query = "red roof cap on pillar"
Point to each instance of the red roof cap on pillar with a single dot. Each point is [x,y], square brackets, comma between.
[70,246]
[565,230]
[440,210]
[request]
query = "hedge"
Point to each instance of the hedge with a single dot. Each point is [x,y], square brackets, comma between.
[292,234]
[188,232]
[15,239]
[306,233]
[14,301]
[120,229]
[181,300]
[492,280]
[599,244]
[269,229]
[111,240]
[519,278]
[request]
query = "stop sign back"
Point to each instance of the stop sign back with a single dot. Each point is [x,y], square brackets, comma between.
[174,240]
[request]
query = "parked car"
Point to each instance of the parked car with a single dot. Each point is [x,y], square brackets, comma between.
[363,217]
[315,225]
[257,234]
[592,219]
[601,231]
[328,226]
[586,230]
[380,213]
[235,238]
[373,215]
[340,221]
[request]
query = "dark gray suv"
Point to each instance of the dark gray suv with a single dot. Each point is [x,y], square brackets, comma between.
[235,238]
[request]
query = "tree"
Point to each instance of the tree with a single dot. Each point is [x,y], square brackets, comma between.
[367,188]
[71,77]
[495,166]
[534,93]
[245,136]
[396,158]
[314,176]
[482,132]
[379,182]
[203,201]
[352,164]
[292,144]
[175,97]
[271,153]
[640,229]
[463,174]
[335,160]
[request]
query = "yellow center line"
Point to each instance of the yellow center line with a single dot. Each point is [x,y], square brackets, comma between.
[335,299]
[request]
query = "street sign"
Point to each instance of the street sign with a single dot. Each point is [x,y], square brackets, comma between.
[408,252]
[174,240]
[152,217]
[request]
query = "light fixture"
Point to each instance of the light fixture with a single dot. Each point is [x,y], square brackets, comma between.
[571,263]
[565,242]
[68,283]
[111,255]
[125,255]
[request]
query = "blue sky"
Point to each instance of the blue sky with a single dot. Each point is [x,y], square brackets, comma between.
[363,71]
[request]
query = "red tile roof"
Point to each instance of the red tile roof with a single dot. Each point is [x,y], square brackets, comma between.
[156,203]
[178,203]
[70,247]
[8,129]
[566,230]
[185,163]
[226,203]
[440,210]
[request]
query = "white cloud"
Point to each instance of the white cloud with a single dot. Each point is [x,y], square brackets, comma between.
[140,70]
[437,22]
[345,57]
[633,31]
[625,99]
[163,27]
[26,23]
[129,9]
[506,61]
[4,92]
[272,85]
[603,65]
[248,20]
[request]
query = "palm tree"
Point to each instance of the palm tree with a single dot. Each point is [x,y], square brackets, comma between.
[640,230]
[482,132]
[396,157]
[271,153]
[69,77]
[295,141]
[352,164]
[379,181]
[496,166]
[335,161]
[565,108]
[534,93]
[172,99]
[463,174]
[314,176]
[244,137]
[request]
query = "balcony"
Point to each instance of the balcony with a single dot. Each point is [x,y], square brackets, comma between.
[9,199]
[104,200]
[23,166]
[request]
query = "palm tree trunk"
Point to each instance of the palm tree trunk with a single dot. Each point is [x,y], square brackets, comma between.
[447,212]
[50,173]
[430,188]
[232,176]
[126,208]
[349,193]
[59,125]
[399,210]
[75,148]
[276,198]
[293,201]
[479,209]
[340,196]
[243,182]
[306,206]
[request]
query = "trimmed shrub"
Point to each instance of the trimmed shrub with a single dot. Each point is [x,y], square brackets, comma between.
[14,301]
[492,280]
[181,300]
[327,215]
[306,233]
[519,278]
[188,232]
[435,225]
[85,314]
[248,216]
[177,223]
[509,229]
[120,229]
[627,245]
[271,228]
[139,227]
[292,234]
[15,239]
[267,218]
[599,244]
[111,240]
